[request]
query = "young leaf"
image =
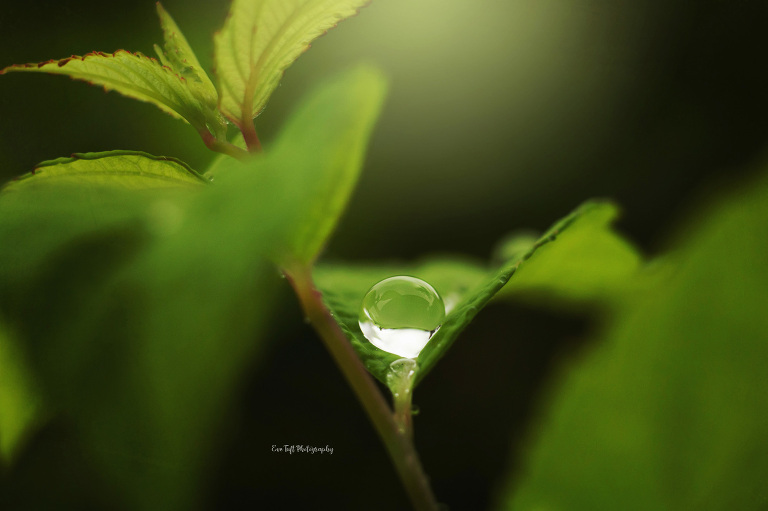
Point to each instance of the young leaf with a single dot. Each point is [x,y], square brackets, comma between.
[465,287]
[124,169]
[179,56]
[670,410]
[260,39]
[19,401]
[179,86]
[315,162]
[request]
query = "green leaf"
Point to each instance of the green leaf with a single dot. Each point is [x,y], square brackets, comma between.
[466,287]
[124,169]
[139,310]
[258,42]
[344,286]
[179,56]
[19,400]
[670,409]
[68,198]
[184,93]
[588,264]
[312,168]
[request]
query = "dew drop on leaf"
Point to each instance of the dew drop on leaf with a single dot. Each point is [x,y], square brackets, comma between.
[401,314]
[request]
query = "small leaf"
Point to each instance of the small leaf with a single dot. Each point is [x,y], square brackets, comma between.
[19,400]
[670,408]
[124,169]
[465,287]
[179,56]
[262,38]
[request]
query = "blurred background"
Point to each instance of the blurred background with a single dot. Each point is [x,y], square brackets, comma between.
[503,115]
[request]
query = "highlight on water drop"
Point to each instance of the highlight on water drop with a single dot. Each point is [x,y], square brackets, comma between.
[401,314]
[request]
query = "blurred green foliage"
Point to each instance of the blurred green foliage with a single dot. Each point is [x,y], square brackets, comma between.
[670,409]
[19,402]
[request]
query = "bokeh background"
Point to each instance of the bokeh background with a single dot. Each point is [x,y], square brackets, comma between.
[503,115]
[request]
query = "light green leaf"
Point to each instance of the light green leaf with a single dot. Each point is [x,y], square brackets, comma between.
[179,56]
[131,170]
[670,409]
[19,400]
[258,42]
[140,77]
[466,287]
[68,198]
[314,165]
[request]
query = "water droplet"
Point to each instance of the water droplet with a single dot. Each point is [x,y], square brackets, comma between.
[401,314]
[415,410]
[451,301]
[400,375]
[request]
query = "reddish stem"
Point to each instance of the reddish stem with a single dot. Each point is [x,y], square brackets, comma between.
[397,440]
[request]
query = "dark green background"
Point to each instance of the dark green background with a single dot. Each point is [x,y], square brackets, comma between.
[502,115]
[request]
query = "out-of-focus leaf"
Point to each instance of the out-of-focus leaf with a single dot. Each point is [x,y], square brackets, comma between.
[670,410]
[132,170]
[465,287]
[139,317]
[260,40]
[19,401]
[314,164]
[590,263]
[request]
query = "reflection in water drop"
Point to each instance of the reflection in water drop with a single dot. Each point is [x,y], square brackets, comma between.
[401,314]
[451,301]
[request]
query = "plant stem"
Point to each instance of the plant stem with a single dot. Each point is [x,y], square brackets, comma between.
[252,141]
[398,440]
[223,147]
[400,381]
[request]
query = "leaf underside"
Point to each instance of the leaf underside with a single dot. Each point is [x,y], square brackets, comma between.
[132,170]
[262,38]
[465,286]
